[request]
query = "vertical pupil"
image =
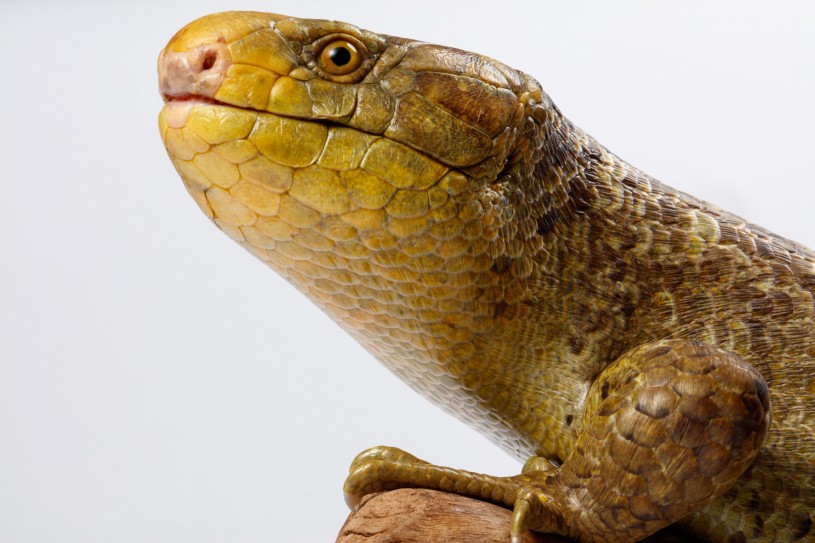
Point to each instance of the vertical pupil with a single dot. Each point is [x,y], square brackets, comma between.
[340,55]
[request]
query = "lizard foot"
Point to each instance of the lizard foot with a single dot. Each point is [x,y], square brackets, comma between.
[386,468]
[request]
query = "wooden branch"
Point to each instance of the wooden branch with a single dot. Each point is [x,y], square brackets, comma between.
[428,516]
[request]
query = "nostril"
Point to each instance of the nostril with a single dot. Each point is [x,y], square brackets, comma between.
[209,60]
[193,72]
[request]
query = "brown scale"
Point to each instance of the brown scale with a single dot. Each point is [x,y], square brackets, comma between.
[629,341]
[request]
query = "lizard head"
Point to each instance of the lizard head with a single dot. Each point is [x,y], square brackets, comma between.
[379,175]
[459,108]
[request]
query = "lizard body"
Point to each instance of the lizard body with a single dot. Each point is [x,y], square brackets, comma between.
[440,208]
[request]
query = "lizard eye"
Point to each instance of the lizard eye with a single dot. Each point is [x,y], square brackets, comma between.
[341,58]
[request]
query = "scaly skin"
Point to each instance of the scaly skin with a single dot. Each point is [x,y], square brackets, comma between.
[629,340]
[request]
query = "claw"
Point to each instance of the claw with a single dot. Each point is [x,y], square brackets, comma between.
[532,511]
[352,500]
[519,525]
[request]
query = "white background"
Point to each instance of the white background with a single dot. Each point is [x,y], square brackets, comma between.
[157,384]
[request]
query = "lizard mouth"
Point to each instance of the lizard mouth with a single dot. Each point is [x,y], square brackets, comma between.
[177,107]
[192,98]
[188,100]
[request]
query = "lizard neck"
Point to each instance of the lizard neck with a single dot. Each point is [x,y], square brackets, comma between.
[584,203]
[573,171]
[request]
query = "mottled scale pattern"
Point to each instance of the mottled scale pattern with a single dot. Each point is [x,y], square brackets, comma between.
[441,209]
